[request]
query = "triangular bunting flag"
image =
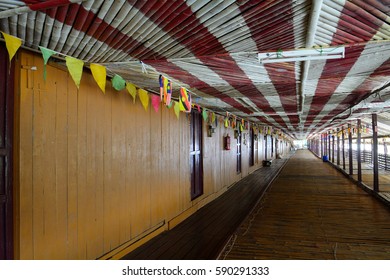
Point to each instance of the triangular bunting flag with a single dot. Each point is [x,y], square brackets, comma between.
[176,108]
[12,44]
[132,90]
[144,97]
[205,115]
[155,102]
[99,73]
[46,53]
[185,100]
[118,82]
[75,68]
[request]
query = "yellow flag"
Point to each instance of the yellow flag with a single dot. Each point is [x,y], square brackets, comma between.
[75,68]
[177,109]
[132,90]
[144,97]
[99,73]
[12,43]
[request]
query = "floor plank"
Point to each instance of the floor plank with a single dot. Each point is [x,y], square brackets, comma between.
[204,234]
[311,211]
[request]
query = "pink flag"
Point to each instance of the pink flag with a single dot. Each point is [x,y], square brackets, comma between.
[155,102]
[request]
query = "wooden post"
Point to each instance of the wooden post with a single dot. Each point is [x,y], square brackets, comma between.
[385,152]
[350,150]
[338,147]
[359,158]
[343,146]
[375,151]
[364,150]
[332,148]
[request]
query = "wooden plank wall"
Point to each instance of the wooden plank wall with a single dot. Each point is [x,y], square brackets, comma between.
[94,170]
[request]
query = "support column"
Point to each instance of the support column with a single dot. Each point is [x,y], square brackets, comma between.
[350,154]
[343,146]
[332,148]
[359,157]
[364,150]
[329,143]
[338,147]
[385,151]
[375,151]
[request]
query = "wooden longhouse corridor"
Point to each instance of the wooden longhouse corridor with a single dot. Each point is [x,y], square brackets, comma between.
[311,211]
[144,129]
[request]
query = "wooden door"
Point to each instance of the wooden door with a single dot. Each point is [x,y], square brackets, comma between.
[6,128]
[196,163]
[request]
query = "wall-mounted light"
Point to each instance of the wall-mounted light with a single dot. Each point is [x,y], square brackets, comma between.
[302,55]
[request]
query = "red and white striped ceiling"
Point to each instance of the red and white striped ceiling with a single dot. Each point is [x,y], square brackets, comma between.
[211,47]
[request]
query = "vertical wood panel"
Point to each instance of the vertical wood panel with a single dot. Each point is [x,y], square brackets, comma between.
[120,158]
[82,194]
[26,210]
[72,188]
[131,148]
[44,155]
[61,164]
[157,191]
[108,204]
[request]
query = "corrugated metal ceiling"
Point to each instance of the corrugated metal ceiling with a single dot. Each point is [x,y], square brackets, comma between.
[211,46]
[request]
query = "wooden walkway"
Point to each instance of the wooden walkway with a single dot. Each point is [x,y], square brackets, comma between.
[204,234]
[311,211]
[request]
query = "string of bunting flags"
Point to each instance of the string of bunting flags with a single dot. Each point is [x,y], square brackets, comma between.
[99,72]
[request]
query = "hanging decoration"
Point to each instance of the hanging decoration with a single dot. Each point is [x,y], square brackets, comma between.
[12,44]
[155,102]
[144,97]
[46,53]
[161,82]
[165,90]
[226,122]
[176,108]
[75,68]
[132,90]
[205,114]
[118,82]
[99,73]
[185,100]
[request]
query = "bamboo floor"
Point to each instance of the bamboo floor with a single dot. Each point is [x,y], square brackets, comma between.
[204,234]
[311,211]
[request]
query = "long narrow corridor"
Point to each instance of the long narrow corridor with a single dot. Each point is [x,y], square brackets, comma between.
[311,211]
